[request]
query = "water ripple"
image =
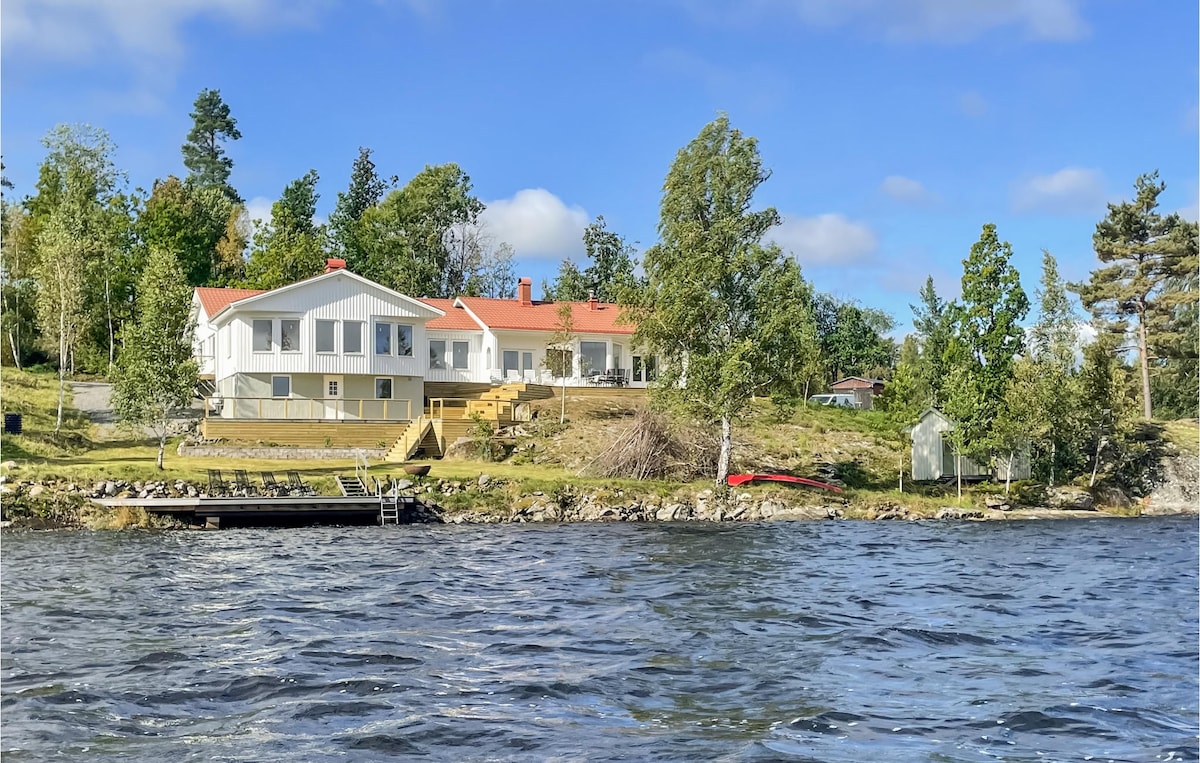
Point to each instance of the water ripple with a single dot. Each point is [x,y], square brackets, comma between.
[809,642]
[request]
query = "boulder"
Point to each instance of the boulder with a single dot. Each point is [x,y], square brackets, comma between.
[951,512]
[483,480]
[997,502]
[8,465]
[1073,498]
[36,490]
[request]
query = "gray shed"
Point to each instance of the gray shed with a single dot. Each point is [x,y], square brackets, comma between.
[933,458]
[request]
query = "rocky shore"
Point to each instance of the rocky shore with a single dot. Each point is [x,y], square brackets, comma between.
[61,503]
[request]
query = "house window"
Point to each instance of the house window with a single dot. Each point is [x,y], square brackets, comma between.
[262,335]
[526,362]
[325,334]
[352,337]
[591,357]
[461,351]
[651,368]
[404,340]
[331,388]
[509,360]
[289,336]
[383,339]
[437,353]
[637,368]
[559,362]
[281,386]
[383,389]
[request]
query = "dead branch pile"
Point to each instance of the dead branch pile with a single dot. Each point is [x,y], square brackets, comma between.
[652,449]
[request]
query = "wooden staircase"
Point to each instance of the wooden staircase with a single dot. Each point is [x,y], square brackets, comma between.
[351,487]
[432,434]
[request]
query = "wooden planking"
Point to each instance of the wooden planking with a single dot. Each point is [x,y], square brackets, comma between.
[456,389]
[635,392]
[311,434]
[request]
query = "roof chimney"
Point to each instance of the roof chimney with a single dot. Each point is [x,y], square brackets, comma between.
[332,265]
[592,301]
[525,291]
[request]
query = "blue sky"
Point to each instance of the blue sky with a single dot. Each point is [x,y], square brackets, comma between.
[894,128]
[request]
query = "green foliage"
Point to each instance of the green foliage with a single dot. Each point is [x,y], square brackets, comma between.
[203,154]
[1151,260]
[569,285]
[852,338]
[365,191]
[156,371]
[18,292]
[189,221]
[933,323]
[482,433]
[705,311]
[908,392]
[610,276]
[293,246]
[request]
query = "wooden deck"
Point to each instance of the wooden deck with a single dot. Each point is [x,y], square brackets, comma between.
[265,511]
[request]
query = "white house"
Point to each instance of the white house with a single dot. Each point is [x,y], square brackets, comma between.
[933,457]
[338,348]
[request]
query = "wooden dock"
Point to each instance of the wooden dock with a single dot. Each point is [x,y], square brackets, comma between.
[266,511]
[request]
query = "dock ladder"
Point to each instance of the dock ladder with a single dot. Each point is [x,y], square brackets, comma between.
[389,505]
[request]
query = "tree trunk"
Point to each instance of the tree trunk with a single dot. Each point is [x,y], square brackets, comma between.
[1143,355]
[806,381]
[1053,456]
[901,468]
[562,413]
[62,367]
[1012,456]
[162,446]
[958,473]
[112,337]
[1096,465]
[16,353]
[726,448]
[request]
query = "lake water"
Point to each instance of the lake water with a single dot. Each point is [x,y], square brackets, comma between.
[822,641]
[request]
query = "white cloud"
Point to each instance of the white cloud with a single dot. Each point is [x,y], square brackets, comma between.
[973,104]
[537,224]
[906,190]
[939,21]
[1071,190]
[828,239]
[259,208]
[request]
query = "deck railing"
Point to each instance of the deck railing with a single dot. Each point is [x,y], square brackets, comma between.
[307,409]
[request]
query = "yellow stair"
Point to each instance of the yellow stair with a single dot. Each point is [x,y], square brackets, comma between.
[408,442]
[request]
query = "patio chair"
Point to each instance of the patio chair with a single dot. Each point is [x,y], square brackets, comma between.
[270,486]
[216,484]
[297,484]
[244,487]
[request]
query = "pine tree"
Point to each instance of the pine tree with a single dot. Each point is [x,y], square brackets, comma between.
[365,191]
[157,372]
[932,321]
[1147,257]
[569,285]
[203,154]
[293,246]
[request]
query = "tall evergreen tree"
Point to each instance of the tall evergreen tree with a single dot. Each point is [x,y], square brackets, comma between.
[932,321]
[988,335]
[1048,414]
[203,154]
[365,191]
[1146,254]
[157,371]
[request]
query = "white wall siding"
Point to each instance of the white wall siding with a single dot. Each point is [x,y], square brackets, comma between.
[475,370]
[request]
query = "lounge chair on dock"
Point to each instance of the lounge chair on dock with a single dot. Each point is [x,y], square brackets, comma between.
[297,485]
[244,486]
[270,486]
[216,483]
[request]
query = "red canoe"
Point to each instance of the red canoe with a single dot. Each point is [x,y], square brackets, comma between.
[741,479]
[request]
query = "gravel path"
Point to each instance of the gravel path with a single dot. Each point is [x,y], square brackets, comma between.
[94,399]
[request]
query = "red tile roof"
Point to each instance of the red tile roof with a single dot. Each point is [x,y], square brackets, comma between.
[543,316]
[455,318]
[214,299]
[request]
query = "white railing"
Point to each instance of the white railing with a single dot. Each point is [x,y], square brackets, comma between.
[307,409]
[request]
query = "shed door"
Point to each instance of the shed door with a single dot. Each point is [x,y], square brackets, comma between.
[332,394]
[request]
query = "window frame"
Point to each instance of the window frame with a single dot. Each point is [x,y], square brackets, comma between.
[389,335]
[299,343]
[440,358]
[466,356]
[332,337]
[411,341]
[254,335]
[288,378]
[346,325]
[391,388]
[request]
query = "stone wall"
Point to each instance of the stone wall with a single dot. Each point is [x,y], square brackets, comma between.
[279,452]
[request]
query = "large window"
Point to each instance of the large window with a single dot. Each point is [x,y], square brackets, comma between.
[437,353]
[509,362]
[262,335]
[325,336]
[281,386]
[526,362]
[462,351]
[383,338]
[404,340]
[289,335]
[591,357]
[383,389]
[637,368]
[352,337]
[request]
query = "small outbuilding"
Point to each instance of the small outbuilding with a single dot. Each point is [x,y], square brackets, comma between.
[863,389]
[933,457]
